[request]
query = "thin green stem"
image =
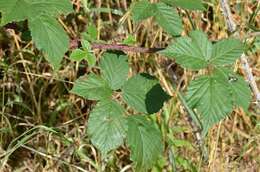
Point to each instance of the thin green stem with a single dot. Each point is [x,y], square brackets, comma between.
[194,27]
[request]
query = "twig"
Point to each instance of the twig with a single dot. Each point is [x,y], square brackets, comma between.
[191,115]
[247,70]
[126,48]
[231,25]
[250,78]
[195,125]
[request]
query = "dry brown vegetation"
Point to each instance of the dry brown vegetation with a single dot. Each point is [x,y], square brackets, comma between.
[42,125]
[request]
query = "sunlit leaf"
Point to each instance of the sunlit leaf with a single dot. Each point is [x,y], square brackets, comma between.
[92,87]
[226,51]
[239,88]
[114,69]
[168,18]
[211,97]
[191,52]
[107,126]
[78,55]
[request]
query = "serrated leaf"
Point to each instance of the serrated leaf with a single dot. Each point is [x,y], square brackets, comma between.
[144,93]
[142,10]
[114,69]
[18,10]
[145,142]
[92,87]
[50,37]
[211,97]
[193,53]
[14,10]
[168,18]
[47,33]
[78,55]
[241,93]
[204,46]
[50,7]
[107,126]
[239,88]
[186,4]
[226,51]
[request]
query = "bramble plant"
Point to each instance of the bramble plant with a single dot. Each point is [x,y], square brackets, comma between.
[212,96]
[216,94]
[109,123]
[47,34]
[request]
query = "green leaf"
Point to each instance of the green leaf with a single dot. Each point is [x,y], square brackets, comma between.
[50,37]
[144,93]
[92,87]
[130,40]
[241,93]
[202,43]
[226,51]
[92,31]
[215,96]
[18,10]
[145,142]
[78,55]
[14,10]
[86,45]
[50,7]
[211,97]
[193,53]
[114,69]
[186,4]
[107,126]
[47,33]
[142,10]
[168,18]
[91,59]
[239,89]
[197,52]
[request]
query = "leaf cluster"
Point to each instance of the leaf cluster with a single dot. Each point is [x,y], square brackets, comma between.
[109,124]
[216,94]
